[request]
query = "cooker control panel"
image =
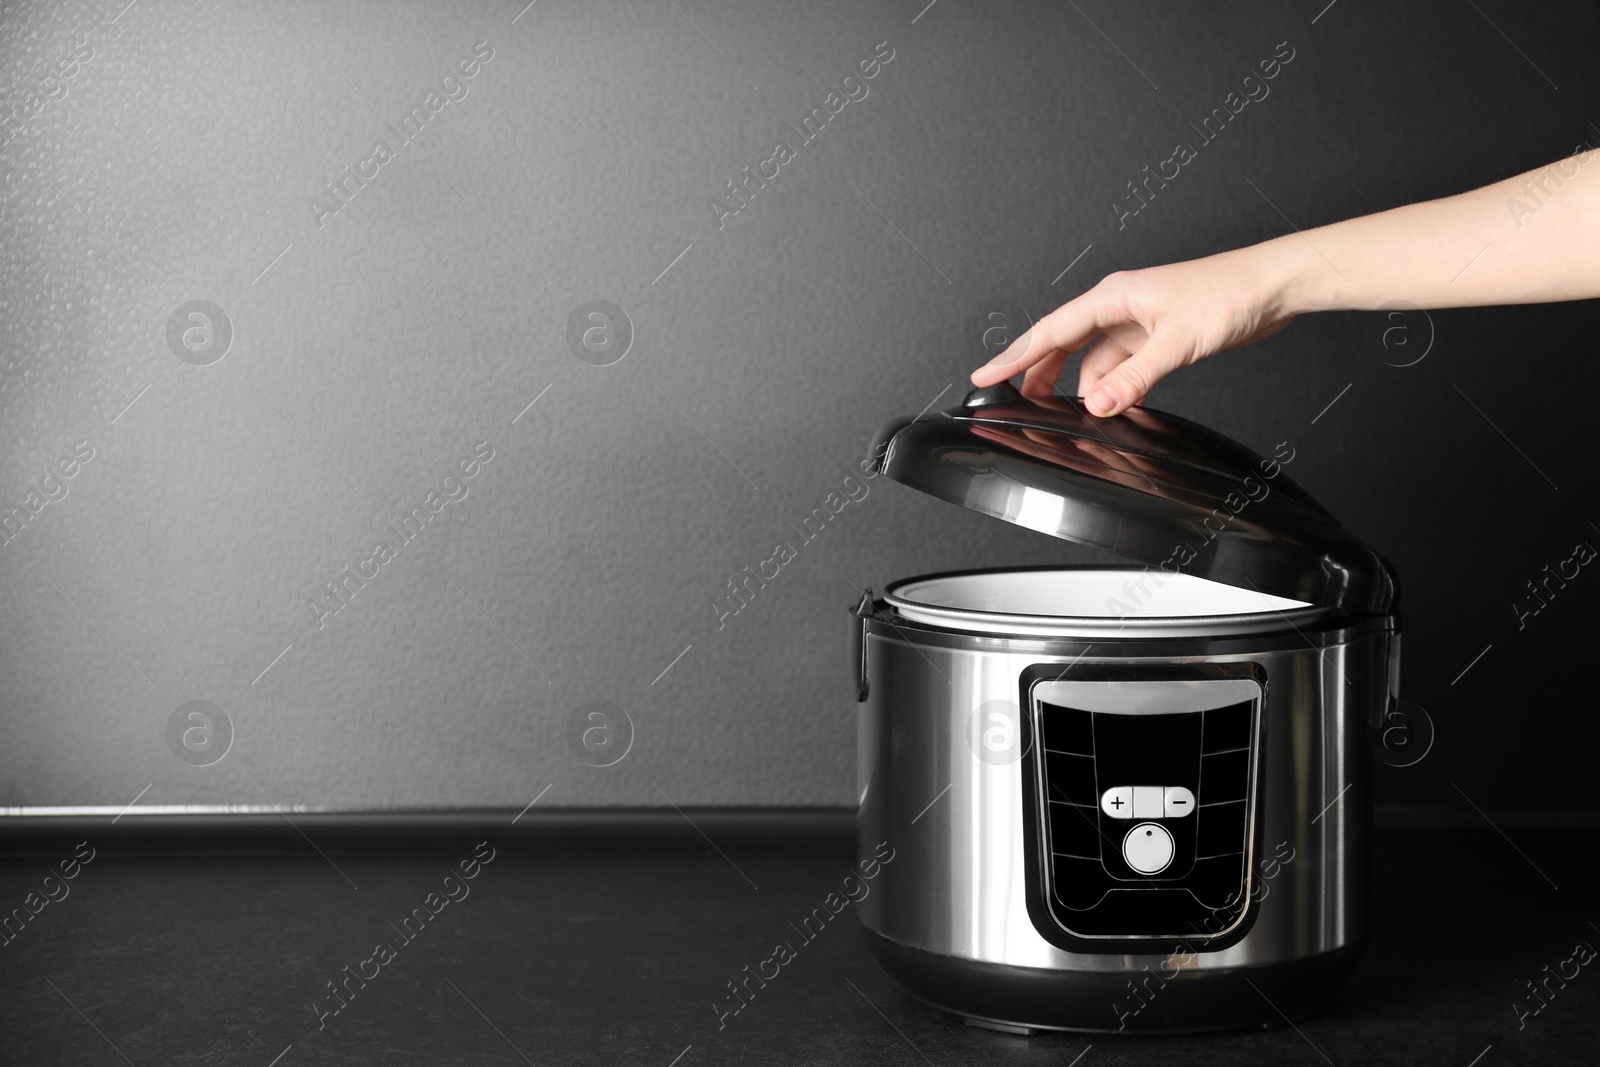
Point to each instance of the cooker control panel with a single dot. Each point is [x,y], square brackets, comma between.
[1143,795]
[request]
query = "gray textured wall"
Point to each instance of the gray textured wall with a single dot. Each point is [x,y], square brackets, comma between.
[375,347]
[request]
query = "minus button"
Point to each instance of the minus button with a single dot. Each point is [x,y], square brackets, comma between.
[1178,801]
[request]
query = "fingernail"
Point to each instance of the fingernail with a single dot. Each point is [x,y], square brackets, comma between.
[997,360]
[1102,401]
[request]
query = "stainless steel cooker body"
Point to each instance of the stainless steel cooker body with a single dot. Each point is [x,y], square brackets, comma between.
[956,916]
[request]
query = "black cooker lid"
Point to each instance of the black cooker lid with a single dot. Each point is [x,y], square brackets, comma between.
[1144,484]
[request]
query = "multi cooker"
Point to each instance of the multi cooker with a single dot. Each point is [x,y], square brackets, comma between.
[1133,797]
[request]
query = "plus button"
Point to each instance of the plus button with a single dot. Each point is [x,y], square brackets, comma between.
[1118,802]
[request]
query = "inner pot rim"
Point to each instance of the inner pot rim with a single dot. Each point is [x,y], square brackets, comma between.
[1142,606]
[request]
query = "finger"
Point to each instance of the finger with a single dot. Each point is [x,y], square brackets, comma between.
[1130,381]
[1068,327]
[1041,377]
[1105,355]
[1020,355]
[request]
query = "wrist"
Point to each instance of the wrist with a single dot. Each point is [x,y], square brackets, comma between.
[1292,278]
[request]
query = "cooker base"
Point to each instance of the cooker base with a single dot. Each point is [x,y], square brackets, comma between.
[1027,1000]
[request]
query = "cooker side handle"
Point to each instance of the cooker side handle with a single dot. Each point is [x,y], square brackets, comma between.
[858,642]
[1387,716]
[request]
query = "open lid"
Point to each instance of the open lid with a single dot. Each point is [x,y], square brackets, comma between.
[1144,484]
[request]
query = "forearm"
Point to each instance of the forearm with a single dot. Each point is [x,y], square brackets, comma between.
[1529,239]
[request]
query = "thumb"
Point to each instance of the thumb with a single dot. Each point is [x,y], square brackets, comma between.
[1130,381]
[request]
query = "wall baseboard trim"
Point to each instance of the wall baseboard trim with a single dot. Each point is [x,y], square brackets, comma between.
[36,831]
[44,830]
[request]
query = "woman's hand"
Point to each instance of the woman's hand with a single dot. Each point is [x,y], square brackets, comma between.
[1149,323]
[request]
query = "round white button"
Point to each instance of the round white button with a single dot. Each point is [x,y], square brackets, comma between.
[1148,848]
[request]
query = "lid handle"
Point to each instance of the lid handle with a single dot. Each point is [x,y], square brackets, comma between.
[991,396]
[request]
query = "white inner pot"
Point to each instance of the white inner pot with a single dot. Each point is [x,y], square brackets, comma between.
[1092,603]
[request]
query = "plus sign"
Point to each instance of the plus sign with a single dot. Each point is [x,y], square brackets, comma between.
[1117,803]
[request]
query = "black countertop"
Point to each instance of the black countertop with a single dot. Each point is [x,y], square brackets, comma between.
[606,955]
